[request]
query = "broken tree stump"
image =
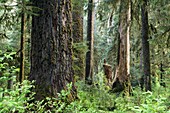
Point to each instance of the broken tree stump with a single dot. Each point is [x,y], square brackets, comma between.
[108,72]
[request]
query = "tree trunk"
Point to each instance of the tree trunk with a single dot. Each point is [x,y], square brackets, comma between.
[78,38]
[162,72]
[123,69]
[22,48]
[108,72]
[90,39]
[145,47]
[51,48]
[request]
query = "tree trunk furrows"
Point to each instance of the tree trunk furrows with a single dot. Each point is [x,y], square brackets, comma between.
[124,29]
[51,48]
[123,69]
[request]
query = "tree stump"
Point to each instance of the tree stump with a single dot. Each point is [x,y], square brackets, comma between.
[108,72]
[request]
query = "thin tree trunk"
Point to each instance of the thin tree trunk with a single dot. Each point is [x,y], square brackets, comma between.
[145,47]
[141,82]
[162,71]
[22,45]
[90,39]
[51,48]
[118,49]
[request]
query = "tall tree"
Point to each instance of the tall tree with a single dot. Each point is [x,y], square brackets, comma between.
[51,48]
[22,43]
[123,69]
[79,63]
[90,40]
[145,47]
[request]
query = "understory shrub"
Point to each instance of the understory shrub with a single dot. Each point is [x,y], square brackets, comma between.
[96,98]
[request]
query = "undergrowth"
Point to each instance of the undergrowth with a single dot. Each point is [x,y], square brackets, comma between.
[91,99]
[95,98]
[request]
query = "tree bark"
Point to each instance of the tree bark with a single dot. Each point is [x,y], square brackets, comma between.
[51,48]
[22,44]
[90,40]
[108,72]
[123,70]
[145,47]
[78,38]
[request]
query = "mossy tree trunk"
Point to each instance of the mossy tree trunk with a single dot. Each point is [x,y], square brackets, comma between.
[146,80]
[51,48]
[123,69]
[79,62]
[90,43]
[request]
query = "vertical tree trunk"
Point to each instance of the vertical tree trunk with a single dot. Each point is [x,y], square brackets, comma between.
[51,48]
[118,49]
[22,48]
[90,39]
[78,38]
[145,47]
[162,83]
[141,81]
[123,70]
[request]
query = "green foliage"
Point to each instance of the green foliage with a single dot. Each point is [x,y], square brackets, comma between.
[149,103]
[146,102]
[49,105]
[95,97]
[91,99]
[159,32]
[15,99]
[8,68]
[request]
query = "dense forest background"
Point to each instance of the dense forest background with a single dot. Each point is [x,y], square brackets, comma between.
[85,56]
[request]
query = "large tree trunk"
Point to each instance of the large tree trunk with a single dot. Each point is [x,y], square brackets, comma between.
[51,48]
[122,75]
[79,63]
[145,47]
[90,39]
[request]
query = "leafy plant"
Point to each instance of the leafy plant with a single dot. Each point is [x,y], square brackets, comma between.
[16,99]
